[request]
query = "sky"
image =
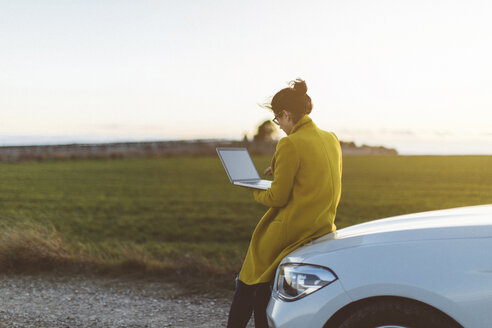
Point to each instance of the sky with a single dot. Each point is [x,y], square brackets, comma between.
[412,75]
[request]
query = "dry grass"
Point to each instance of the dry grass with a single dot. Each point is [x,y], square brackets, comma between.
[32,248]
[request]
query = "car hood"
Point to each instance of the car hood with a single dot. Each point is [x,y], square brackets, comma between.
[464,222]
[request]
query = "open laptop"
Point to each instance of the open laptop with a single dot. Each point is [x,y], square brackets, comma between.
[240,168]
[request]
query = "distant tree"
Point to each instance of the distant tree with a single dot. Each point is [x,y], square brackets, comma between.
[348,144]
[265,131]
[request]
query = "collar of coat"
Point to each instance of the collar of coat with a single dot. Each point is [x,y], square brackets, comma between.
[302,122]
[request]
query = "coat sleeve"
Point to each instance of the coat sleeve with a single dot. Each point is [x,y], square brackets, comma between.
[284,173]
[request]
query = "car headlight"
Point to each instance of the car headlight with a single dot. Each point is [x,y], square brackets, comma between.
[295,281]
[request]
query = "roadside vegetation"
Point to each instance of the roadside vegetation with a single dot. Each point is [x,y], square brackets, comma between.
[180,218]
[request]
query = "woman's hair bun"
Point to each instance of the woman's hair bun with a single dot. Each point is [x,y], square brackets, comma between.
[299,85]
[293,99]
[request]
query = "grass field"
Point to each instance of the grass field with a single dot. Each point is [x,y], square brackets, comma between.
[180,216]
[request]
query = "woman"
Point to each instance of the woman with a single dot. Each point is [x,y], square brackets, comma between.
[303,199]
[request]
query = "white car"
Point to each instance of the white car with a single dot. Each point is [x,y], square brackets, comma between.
[431,269]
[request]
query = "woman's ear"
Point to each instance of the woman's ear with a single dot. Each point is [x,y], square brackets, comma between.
[289,116]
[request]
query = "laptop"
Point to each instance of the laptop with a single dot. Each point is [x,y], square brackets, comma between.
[240,168]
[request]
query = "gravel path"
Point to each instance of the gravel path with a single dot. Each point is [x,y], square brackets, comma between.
[60,301]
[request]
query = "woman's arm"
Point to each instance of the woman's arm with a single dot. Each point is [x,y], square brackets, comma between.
[284,173]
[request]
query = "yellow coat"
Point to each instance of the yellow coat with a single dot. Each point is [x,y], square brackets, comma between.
[303,199]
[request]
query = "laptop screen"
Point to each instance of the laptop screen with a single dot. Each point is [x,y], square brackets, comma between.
[238,164]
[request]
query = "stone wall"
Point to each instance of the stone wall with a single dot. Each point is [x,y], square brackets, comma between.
[156,149]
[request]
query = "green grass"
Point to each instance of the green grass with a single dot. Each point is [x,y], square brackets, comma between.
[181,215]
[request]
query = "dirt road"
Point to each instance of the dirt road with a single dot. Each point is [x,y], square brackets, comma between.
[60,301]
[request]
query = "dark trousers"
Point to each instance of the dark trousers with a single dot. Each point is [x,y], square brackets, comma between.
[249,298]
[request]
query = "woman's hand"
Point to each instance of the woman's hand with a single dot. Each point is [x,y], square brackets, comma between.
[268,172]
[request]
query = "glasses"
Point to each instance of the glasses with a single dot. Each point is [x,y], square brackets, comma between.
[275,119]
